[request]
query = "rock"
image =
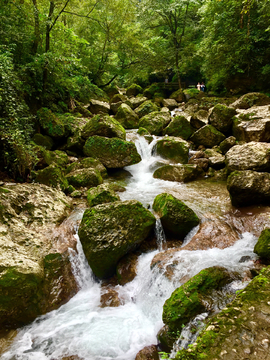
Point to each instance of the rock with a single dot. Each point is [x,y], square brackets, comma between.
[155,122]
[166,339]
[171,104]
[176,217]
[127,269]
[115,106]
[217,162]
[208,136]
[43,140]
[148,353]
[56,157]
[248,100]
[51,176]
[180,173]
[191,298]
[118,98]
[109,298]
[251,156]
[226,144]
[178,95]
[110,231]
[103,125]
[99,107]
[75,144]
[101,195]
[127,117]
[142,131]
[200,159]
[173,148]
[262,247]
[55,126]
[113,153]
[252,124]
[221,118]
[134,90]
[146,108]
[134,102]
[180,127]
[88,177]
[87,163]
[249,188]
[199,119]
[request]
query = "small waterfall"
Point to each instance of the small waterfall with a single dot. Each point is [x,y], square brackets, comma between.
[160,235]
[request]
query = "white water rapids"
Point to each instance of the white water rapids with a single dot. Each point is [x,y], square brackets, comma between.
[81,327]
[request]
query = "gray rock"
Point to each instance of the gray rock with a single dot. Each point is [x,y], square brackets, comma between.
[99,107]
[199,119]
[135,102]
[207,136]
[180,173]
[171,104]
[221,118]
[103,125]
[248,100]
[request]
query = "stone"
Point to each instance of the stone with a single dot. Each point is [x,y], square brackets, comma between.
[109,298]
[142,131]
[262,247]
[112,153]
[148,353]
[127,117]
[221,117]
[155,122]
[171,104]
[56,157]
[166,339]
[126,269]
[101,194]
[207,136]
[248,100]
[110,231]
[178,95]
[146,108]
[176,217]
[135,102]
[118,98]
[248,188]
[52,176]
[103,125]
[179,127]
[180,173]
[55,126]
[87,163]
[226,144]
[134,90]
[217,162]
[43,140]
[200,159]
[99,107]
[87,177]
[174,149]
[115,106]
[251,156]
[199,119]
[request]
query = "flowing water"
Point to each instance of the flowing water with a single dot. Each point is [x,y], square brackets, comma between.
[83,328]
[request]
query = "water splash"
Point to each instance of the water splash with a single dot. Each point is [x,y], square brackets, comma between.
[160,235]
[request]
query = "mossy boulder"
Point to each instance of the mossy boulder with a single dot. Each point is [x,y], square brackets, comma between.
[87,177]
[173,148]
[134,90]
[127,117]
[179,127]
[75,144]
[155,122]
[248,188]
[152,89]
[262,247]
[142,131]
[146,108]
[227,144]
[102,194]
[103,125]
[180,173]
[112,153]
[86,163]
[52,176]
[207,136]
[118,98]
[190,299]
[134,102]
[248,100]
[99,107]
[176,217]
[171,104]
[56,157]
[43,140]
[199,119]
[178,95]
[110,231]
[221,117]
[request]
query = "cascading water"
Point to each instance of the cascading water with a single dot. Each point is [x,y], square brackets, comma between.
[83,328]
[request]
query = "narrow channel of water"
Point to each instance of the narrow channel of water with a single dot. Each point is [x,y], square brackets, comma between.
[81,327]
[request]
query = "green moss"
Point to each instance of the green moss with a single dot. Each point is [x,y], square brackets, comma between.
[51,176]
[103,125]
[262,247]
[174,149]
[179,127]
[43,140]
[142,131]
[146,108]
[134,90]
[127,117]
[101,195]
[4,191]
[84,177]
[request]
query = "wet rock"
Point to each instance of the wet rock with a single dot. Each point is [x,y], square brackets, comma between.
[199,119]
[251,156]
[207,136]
[142,131]
[146,108]
[101,194]
[113,153]
[99,107]
[127,117]
[155,122]
[262,247]
[227,144]
[115,106]
[248,100]
[127,269]
[73,357]
[248,188]
[173,148]
[88,177]
[221,118]
[103,125]
[171,104]
[109,298]
[179,127]
[166,339]
[179,173]
[110,231]
[176,217]
[148,353]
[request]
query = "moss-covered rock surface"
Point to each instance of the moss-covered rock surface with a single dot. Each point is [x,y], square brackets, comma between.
[127,117]
[103,125]
[221,117]
[88,177]
[173,148]
[179,127]
[101,194]
[155,122]
[262,247]
[180,173]
[146,108]
[207,136]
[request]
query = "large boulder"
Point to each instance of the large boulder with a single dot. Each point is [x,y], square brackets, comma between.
[113,153]
[180,127]
[148,353]
[87,177]
[54,125]
[99,107]
[221,118]
[171,104]
[101,194]
[199,119]
[134,102]
[178,95]
[180,173]
[176,217]
[227,144]
[110,231]
[155,122]
[127,117]
[194,297]
[252,124]
[251,156]
[146,108]
[173,148]
[249,188]
[207,136]
[134,90]
[52,176]
[248,100]
[87,163]
[103,125]
[262,247]
[43,140]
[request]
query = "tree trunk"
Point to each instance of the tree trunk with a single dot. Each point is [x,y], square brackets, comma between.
[37,28]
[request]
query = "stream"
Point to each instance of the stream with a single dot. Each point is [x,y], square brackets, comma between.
[81,327]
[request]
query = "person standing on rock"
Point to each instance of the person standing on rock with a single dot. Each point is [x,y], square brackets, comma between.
[199,86]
